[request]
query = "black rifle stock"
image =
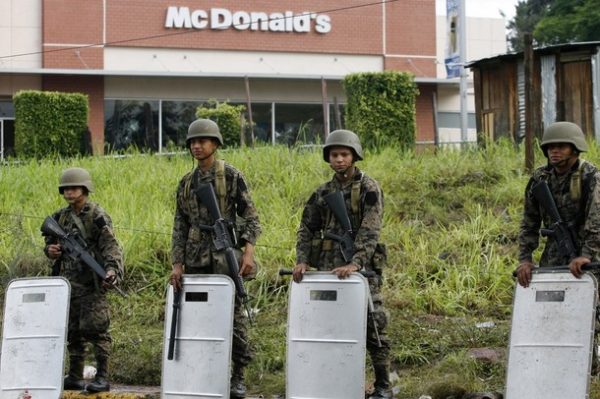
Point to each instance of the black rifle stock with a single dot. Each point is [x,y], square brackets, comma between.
[336,204]
[73,249]
[174,318]
[559,230]
[222,240]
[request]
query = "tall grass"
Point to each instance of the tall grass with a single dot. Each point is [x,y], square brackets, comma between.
[450,224]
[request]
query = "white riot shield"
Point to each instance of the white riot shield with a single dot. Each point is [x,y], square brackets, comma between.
[36,312]
[202,353]
[326,337]
[551,338]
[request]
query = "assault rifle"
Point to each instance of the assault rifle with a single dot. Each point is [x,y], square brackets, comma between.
[74,248]
[222,240]
[559,230]
[337,205]
[176,303]
[335,202]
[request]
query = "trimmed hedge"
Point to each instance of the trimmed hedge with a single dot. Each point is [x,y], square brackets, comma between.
[381,108]
[49,123]
[227,116]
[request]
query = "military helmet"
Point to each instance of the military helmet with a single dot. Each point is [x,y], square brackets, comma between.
[563,132]
[203,128]
[75,177]
[343,138]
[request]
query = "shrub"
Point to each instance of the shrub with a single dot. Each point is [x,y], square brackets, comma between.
[227,116]
[381,108]
[49,123]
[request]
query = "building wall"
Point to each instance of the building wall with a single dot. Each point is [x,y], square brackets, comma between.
[93,86]
[219,63]
[20,33]
[72,32]
[261,90]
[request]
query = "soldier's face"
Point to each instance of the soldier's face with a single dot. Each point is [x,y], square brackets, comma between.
[340,159]
[74,195]
[202,147]
[560,153]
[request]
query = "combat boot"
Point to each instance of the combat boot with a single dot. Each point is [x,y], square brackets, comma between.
[238,387]
[382,383]
[100,383]
[74,380]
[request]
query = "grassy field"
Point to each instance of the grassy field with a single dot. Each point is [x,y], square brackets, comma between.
[451,222]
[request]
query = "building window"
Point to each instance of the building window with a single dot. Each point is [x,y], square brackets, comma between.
[176,118]
[7,109]
[298,123]
[131,123]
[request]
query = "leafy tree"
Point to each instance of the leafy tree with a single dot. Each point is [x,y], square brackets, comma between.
[555,21]
[528,14]
[569,21]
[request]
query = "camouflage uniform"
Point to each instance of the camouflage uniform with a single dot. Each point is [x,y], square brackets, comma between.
[583,214]
[89,310]
[195,249]
[369,255]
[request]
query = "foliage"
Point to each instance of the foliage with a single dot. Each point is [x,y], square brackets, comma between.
[450,224]
[555,21]
[381,108]
[227,116]
[49,123]
[569,21]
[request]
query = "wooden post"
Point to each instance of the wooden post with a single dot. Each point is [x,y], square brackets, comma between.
[436,130]
[325,106]
[249,107]
[529,128]
[338,114]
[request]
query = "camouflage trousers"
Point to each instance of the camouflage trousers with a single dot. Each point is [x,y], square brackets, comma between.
[378,351]
[242,352]
[89,322]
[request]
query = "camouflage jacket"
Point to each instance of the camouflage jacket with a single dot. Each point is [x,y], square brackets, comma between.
[582,215]
[317,219]
[194,247]
[99,240]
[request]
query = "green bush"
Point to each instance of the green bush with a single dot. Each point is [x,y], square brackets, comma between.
[227,116]
[381,108]
[49,123]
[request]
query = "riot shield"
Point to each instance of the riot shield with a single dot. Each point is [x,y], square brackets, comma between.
[326,337]
[551,337]
[200,367]
[36,312]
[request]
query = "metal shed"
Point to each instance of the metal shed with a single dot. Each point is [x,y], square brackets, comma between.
[565,86]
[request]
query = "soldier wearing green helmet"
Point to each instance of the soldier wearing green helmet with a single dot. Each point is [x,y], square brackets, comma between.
[364,204]
[88,308]
[575,188]
[192,249]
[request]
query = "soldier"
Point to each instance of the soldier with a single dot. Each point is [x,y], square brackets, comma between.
[364,201]
[574,184]
[88,308]
[193,250]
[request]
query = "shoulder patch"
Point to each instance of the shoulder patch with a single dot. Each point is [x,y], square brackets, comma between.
[371,198]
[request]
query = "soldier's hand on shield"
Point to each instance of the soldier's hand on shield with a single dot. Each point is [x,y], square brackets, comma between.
[298,271]
[176,275]
[345,271]
[524,273]
[577,264]
[54,251]
[110,280]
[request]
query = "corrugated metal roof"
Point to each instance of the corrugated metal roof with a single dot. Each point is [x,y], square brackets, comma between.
[576,46]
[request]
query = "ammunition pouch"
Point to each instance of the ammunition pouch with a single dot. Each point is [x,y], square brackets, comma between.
[316,246]
[379,259]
